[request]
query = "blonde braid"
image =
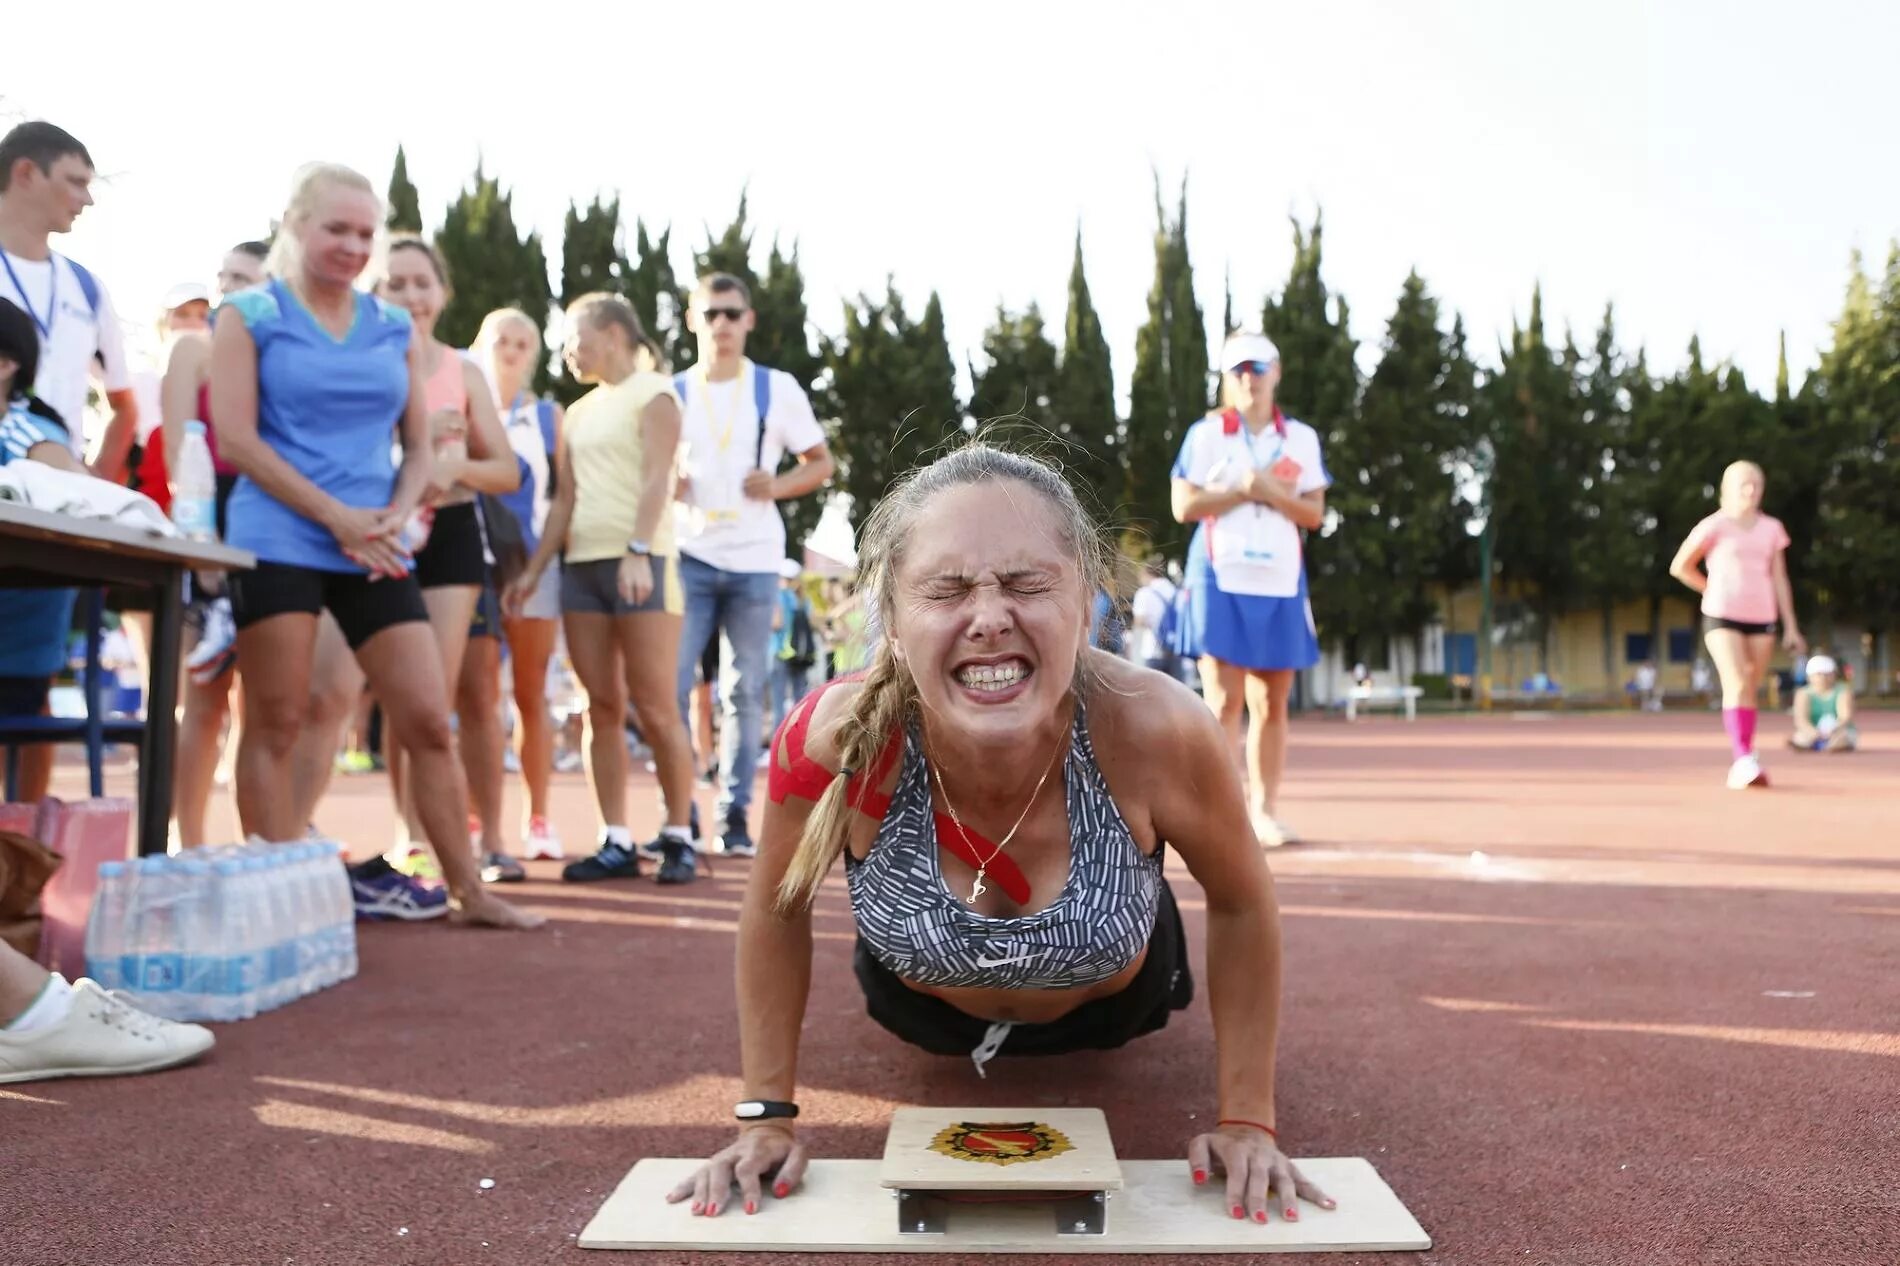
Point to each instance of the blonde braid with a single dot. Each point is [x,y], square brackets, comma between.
[882,704]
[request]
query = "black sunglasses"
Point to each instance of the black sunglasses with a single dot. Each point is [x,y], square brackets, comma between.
[730,314]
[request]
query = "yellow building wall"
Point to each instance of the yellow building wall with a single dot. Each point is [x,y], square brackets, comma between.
[1576,646]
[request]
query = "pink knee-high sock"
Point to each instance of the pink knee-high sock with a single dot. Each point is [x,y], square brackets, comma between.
[1740,724]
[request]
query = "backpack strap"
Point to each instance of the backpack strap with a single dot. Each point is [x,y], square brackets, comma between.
[88,285]
[762,398]
[544,414]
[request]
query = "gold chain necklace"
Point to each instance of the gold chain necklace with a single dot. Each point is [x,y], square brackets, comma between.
[978,888]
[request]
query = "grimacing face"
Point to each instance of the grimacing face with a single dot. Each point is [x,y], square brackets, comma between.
[988,611]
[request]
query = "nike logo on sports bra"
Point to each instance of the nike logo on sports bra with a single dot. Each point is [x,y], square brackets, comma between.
[984,960]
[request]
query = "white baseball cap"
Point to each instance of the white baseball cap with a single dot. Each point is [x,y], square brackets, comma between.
[186,292]
[1823,664]
[1242,347]
[790,569]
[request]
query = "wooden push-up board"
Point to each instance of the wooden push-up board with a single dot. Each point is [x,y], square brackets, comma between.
[843,1207]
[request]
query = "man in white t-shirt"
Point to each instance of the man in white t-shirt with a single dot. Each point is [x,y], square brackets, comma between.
[739,422]
[45,182]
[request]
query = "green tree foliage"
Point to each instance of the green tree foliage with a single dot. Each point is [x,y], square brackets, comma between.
[1402,514]
[1611,553]
[1541,459]
[490,263]
[654,290]
[405,205]
[591,258]
[891,385]
[1856,556]
[1083,404]
[1017,379]
[1169,391]
[1319,375]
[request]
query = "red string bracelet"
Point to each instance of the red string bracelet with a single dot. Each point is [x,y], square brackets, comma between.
[1255,1124]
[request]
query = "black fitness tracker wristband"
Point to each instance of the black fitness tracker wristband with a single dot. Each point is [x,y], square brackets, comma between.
[764,1109]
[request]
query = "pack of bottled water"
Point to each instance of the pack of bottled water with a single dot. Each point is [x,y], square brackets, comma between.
[223,933]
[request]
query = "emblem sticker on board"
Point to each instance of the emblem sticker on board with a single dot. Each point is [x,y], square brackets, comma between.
[1001,1142]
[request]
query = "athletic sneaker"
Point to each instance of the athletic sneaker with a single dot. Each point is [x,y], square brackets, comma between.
[355,762]
[543,841]
[383,892]
[651,848]
[1271,832]
[101,1036]
[499,868]
[680,866]
[419,863]
[736,840]
[1746,772]
[612,862]
[216,650]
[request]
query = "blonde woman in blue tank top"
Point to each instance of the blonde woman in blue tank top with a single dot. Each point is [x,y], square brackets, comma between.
[309,378]
[1002,795]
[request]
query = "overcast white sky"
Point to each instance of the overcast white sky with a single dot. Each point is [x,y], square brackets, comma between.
[1706,166]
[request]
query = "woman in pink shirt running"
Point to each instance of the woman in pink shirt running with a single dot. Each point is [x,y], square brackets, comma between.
[1743,591]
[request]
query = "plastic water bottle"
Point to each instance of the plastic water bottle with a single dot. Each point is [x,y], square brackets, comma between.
[313,933]
[342,910]
[195,487]
[237,987]
[105,927]
[196,918]
[279,932]
[157,968]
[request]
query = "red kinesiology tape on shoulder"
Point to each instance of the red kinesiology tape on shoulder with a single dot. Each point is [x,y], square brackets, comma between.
[805,778]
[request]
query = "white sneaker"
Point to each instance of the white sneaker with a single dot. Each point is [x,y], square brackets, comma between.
[102,1036]
[1271,832]
[543,841]
[1745,773]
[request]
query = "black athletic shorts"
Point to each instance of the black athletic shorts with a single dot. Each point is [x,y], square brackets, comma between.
[24,696]
[1711,623]
[453,554]
[362,607]
[1162,986]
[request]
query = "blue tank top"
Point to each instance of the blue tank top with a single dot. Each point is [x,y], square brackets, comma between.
[1096,927]
[328,405]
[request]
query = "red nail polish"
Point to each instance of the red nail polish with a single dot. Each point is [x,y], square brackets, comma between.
[751,1207]
[1260,1216]
[1292,1215]
[712,1210]
[697,1206]
[1200,1175]
[1239,1212]
[781,1191]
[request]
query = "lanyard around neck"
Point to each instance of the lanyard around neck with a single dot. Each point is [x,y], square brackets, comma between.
[26,300]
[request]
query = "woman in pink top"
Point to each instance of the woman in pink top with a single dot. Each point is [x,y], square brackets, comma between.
[1743,591]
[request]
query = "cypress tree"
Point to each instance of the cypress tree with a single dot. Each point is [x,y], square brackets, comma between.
[1017,380]
[491,264]
[1535,477]
[1857,556]
[655,293]
[591,259]
[1083,405]
[891,384]
[405,205]
[1169,389]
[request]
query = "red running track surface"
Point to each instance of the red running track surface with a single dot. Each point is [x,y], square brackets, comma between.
[1655,1022]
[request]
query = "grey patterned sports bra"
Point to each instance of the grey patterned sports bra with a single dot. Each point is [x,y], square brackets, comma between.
[1096,927]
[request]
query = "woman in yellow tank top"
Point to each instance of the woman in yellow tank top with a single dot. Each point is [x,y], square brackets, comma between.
[621,603]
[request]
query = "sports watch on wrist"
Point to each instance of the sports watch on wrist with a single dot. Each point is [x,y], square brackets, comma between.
[764,1109]
[641,548]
